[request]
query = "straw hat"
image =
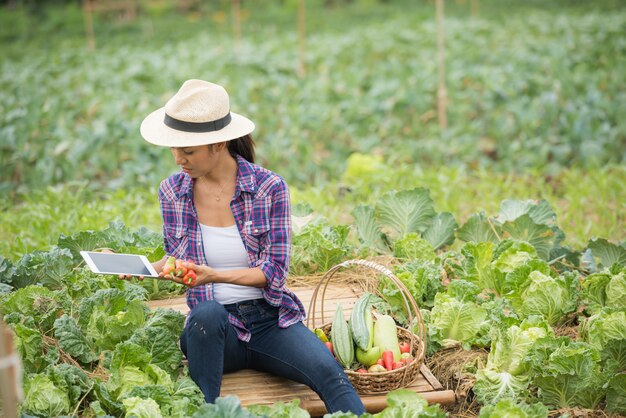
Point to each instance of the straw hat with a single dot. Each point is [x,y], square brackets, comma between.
[198,114]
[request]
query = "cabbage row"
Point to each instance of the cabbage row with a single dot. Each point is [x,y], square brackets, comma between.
[90,346]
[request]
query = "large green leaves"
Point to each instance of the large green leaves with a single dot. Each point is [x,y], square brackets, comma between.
[507,408]
[526,229]
[478,228]
[454,321]
[44,398]
[39,303]
[406,403]
[608,253]
[616,394]
[73,341]
[570,376]
[507,371]
[110,316]
[441,230]
[400,214]
[549,297]
[319,246]
[369,232]
[523,220]
[406,211]
[46,268]
[541,212]
[116,236]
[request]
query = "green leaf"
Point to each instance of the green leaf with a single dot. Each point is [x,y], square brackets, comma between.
[107,399]
[540,211]
[478,229]
[47,268]
[141,408]
[477,264]
[549,297]
[280,410]
[370,234]
[398,213]
[128,353]
[72,380]
[29,342]
[111,316]
[508,408]
[607,252]
[301,209]
[441,230]
[614,356]
[616,394]
[404,403]
[40,303]
[526,229]
[224,407]
[594,291]
[43,398]
[6,271]
[452,320]
[72,340]
[493,385]
[162,347]
[571,377]
[606,325]
[413,247]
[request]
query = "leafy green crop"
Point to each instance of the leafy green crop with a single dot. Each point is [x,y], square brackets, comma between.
[507,373]
[90,345]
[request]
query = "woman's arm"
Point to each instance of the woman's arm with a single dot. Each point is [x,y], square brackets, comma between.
[243,277]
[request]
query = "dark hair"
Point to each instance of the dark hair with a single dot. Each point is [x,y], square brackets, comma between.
[243,146]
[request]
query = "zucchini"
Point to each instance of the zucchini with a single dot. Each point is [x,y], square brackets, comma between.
[341,338]
[386,335]
[361,323]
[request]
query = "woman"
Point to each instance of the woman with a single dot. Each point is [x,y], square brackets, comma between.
[231,219]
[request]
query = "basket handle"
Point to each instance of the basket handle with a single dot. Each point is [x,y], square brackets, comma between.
[410,304]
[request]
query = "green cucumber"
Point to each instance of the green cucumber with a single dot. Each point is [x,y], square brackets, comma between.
[342,339]
[361,323]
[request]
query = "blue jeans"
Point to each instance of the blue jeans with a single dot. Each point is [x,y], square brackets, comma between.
[211,346]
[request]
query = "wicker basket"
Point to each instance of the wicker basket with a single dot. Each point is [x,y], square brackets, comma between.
[376,383]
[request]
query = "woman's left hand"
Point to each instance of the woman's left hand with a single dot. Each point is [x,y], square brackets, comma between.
[204,274]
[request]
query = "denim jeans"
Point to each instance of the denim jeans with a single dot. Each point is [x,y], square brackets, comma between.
[211,346]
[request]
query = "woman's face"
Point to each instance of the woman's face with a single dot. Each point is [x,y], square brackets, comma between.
[196,161]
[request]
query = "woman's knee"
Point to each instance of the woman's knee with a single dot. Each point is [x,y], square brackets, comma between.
[207,316]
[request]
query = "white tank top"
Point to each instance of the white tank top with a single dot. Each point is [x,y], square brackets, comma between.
[224,250]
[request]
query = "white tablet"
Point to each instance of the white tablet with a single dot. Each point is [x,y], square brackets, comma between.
[110,263]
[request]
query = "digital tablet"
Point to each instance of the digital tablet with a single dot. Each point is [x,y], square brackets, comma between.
[111,263]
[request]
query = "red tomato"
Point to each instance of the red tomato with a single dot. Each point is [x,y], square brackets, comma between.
[330,347]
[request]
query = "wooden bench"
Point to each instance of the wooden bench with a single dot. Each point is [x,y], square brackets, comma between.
[259,388]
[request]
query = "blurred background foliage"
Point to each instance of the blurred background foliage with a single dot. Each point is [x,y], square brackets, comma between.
[536,105]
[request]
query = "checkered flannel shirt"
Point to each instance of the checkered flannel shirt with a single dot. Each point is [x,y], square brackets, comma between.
[262,214]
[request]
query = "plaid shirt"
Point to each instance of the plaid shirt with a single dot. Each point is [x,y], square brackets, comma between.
[262,213]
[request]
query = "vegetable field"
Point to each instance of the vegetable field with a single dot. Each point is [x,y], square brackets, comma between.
[507,227]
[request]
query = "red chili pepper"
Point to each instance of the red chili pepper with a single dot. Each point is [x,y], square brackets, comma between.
[190,278]
[388,359]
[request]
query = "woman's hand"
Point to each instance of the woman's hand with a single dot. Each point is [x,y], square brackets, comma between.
[204,274]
